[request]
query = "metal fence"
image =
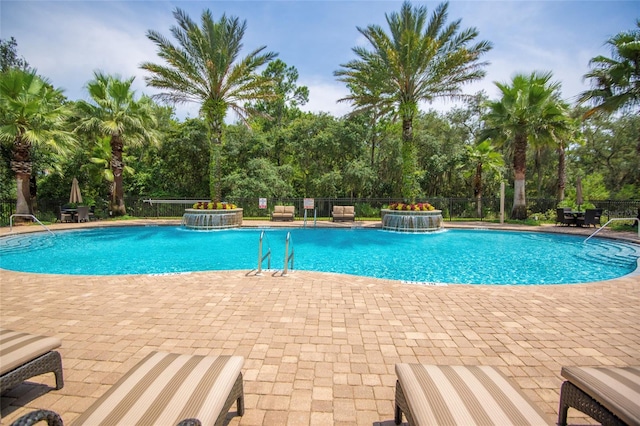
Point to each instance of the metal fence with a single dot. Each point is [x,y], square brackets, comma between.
[452,208]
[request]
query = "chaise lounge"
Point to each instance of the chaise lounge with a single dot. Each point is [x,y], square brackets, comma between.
[165,389]
[24,355]
[464,395]
[346,213]
[283,213]
[610,395]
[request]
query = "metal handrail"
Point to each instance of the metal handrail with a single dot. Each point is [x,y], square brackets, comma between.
[261,258]
[287,257]
[611,220]
[26,215]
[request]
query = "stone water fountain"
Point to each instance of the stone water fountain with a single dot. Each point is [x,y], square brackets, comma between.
[414,221]
[211,219]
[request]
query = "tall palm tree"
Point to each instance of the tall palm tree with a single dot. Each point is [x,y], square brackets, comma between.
[418,61]
[486,159]
[615,81]
[204,67]
[31,113]
[114,112]
[530,110]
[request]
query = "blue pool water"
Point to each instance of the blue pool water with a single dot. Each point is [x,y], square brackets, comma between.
[454,256]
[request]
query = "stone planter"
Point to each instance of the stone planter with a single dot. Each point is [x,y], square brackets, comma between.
[411,220]
[212,219]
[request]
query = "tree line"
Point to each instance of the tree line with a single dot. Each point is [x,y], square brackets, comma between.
[117,143]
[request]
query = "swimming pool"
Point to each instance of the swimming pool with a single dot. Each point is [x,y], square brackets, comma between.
[453,256]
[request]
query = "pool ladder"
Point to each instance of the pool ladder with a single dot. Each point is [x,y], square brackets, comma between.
[287,257]
[261,258]
[635,219]
[29,216]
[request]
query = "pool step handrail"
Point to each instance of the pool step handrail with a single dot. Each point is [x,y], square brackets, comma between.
[27,215]
[261,258]
[287,257]
[635,219]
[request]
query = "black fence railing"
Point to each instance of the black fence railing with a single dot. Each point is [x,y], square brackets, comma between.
[452,208]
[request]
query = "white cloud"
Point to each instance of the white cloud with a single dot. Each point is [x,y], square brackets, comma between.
[324,95]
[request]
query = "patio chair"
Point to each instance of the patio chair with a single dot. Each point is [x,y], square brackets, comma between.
[464,395]
[64,216]
[565,217]
[83,214]
[346,213]
[166,389]
[283,213]
[24,355]
[591,217]
[610,395]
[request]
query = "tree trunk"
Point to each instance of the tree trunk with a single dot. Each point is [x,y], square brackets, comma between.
[21,166]
[477,189]
[519,167]
[562,176]
[215,167]
[410,188]
[23,203]
[117,166]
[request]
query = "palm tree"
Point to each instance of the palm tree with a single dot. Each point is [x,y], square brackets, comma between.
[113,112]
[530,110]
[485,159]
[615,81]
[32,113]
[204,68]
[418,61]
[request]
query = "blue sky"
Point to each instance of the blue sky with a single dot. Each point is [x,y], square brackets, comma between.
[67,40]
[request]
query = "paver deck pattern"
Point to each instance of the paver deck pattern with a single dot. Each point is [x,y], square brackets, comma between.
[320,348]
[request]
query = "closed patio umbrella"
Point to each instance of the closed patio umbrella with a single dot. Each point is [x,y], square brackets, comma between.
[579,199]
[75,196]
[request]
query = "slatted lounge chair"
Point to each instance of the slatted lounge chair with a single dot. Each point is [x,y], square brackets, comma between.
[461,395]
[610,395]
[24,355]
[167,389]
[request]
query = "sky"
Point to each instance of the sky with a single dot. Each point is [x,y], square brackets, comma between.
[66,41]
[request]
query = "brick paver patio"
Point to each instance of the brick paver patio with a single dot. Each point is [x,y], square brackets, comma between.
[320,348]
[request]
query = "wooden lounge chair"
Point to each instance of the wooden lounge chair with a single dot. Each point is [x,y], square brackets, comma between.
[24,355]
[167,389]
[610,395]
[346,213]
[463,395]
[283,213]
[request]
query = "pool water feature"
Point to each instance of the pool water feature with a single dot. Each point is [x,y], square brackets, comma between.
[452,256]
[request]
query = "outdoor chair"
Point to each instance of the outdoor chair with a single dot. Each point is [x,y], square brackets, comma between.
[565,217]
[83,214]
[165,389]
[64,216]
[283,213]
[463,395]
[24,355]
[591,217]
[610,395]
[346,213]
